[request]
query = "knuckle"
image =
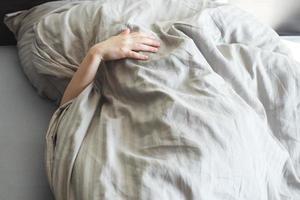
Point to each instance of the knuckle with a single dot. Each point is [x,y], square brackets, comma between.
[134,55]
[130,53]
[139,56]
[123,49]
[139,46]
[150,41]
[153,41]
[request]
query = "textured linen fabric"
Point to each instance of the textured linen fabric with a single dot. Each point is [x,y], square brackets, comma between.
[213,115]
[22,24]
[293,43]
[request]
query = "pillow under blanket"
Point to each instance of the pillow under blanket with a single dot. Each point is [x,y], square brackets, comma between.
[52,42]
[22,24]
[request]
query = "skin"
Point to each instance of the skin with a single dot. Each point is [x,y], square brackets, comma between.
[124,45]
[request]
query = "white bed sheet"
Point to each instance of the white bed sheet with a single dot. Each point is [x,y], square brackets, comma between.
[293,43]
[24,117]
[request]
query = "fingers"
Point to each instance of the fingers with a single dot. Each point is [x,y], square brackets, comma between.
[143,47]
[141,34]
[149,41]
[137,41]
[135,55]
[125,32]
[145,38]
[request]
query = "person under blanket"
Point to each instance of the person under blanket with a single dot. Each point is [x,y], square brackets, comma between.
[124,45]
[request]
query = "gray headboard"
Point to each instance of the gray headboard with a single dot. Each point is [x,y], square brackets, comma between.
[8,6]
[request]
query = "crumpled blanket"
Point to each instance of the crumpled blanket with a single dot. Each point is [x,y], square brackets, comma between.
[213,115]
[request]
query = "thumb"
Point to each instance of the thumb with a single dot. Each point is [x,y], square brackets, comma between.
[126,31]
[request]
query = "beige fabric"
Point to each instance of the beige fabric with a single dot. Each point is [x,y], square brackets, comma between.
[213,115]
[22,24]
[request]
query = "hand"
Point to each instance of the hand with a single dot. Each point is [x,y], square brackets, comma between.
[126,45]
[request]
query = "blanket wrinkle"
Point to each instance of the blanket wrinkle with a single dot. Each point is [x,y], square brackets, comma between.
[213,115]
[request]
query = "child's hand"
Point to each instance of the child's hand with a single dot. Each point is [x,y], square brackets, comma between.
[126,45]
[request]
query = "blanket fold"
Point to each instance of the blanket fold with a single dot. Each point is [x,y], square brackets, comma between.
[213,115]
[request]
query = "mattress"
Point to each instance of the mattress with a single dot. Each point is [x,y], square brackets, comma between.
[24,117]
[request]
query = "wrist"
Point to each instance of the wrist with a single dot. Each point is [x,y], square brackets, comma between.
[96,53]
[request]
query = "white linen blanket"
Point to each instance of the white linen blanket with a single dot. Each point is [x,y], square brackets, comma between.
[214,115]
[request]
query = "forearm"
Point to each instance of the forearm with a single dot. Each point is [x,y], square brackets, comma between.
[84,75]
[124,45]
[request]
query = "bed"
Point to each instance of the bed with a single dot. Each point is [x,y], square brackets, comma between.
[22,173]
[23,120]
[24,117]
